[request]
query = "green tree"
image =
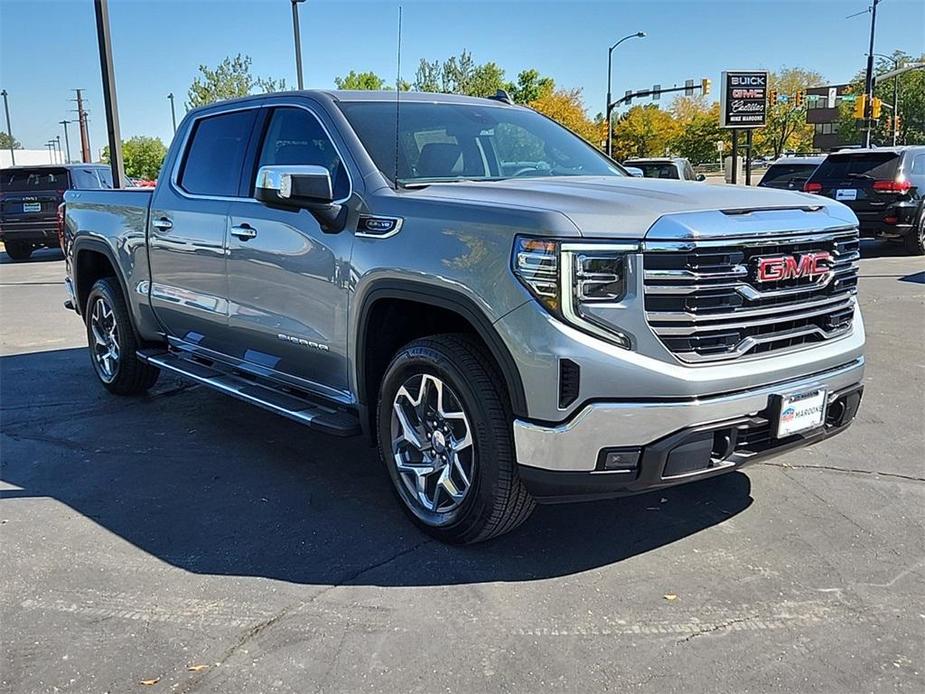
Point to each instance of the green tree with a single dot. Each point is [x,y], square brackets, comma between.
[143,156]
[5,141]
[360,80]
[460,75]
[911,106]
[530,86]
[232,78]
[643,131]
[697,129]
[786,127]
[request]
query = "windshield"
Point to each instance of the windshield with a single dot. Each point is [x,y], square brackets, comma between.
[26,180]
[451,142]
[656,170]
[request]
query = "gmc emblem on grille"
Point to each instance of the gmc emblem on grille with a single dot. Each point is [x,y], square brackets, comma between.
[785,267]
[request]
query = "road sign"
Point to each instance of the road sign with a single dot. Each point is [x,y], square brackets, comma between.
[744,99]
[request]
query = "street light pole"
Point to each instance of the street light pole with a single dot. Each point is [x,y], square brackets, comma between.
[298,42]
[9,131]
[173,113]
[869,78]
[609,109]
[67,142]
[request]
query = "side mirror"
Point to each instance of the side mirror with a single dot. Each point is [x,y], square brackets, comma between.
[701,177]
[634,171]
[301,187]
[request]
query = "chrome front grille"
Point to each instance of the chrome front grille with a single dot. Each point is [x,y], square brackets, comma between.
[704,303]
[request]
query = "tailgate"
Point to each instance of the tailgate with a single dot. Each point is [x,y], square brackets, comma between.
[21,206]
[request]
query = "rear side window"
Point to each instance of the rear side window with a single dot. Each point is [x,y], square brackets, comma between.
[296,137]
[873,165]
[918,165]
[91,178]
[216,154]
[26,180]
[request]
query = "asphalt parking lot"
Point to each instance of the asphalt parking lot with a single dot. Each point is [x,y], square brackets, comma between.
[201,545]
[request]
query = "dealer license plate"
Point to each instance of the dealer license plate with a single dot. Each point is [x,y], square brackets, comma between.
[801,412]
[32,207]
[846,194]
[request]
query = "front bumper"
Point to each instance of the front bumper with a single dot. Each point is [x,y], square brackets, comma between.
[675,440]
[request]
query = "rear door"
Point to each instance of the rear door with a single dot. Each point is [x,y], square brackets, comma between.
[860,180]
[187,228]
[31,195]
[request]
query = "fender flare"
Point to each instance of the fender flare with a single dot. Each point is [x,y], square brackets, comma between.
[446,299]
[85,243]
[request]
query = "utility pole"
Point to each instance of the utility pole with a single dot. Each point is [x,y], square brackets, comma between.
[9,131]
[109,92]
[50,146]
[84,130]
[869,78]
[67,142]
[298,42]
[60,151]
[173,113]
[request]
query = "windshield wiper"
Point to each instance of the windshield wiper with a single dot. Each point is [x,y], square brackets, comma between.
[862,175]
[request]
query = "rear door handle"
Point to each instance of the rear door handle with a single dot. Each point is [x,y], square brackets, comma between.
[162,224]
[244,231]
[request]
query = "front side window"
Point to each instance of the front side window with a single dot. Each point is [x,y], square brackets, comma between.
[296,137]
[216,154]
[449,142]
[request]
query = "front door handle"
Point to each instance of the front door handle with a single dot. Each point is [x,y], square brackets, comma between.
[162,224]
[244,231]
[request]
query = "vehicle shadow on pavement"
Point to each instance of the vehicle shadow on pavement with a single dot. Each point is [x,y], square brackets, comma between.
[41,255]
[214,486]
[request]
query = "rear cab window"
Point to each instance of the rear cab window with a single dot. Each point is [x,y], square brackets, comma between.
[215,155]
[91,178]
[22,180]
[876,166]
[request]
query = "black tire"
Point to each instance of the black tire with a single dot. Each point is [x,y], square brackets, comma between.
[129,375]
[496,501]
[914,241]
[19,250]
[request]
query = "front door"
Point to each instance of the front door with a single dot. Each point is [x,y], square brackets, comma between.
[287,280]
[187,235]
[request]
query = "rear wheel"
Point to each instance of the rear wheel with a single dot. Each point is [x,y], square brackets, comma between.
[113,345]
[915,239]
[444,430]
[19,250]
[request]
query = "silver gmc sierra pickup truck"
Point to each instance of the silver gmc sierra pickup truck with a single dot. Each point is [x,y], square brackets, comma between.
[498,306]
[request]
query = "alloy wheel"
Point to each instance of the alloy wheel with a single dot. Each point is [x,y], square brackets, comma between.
[432,445]
[105,332]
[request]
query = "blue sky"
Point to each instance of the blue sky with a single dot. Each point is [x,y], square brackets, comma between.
[49,47]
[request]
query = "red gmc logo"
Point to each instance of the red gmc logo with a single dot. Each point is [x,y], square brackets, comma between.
[791,267]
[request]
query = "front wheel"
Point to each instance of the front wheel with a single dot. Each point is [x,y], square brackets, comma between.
[113,345]
[444,428]
[915,239]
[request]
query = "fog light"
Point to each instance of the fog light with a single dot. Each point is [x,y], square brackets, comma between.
[619,460]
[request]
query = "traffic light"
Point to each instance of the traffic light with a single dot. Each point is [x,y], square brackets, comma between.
[800,95]
[705,86]
[772,97]
[860,107]
[898,122]
[875,106]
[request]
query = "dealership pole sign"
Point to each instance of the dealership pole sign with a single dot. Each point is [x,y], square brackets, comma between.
[744,99]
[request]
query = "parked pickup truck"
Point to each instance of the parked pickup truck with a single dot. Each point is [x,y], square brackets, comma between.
[497,305]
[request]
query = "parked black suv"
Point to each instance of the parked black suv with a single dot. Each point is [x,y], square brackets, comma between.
[885,187]
[29,199]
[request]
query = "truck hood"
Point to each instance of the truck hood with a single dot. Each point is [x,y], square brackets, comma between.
[612,207]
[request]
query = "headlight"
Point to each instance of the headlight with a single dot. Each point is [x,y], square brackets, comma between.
[574,280]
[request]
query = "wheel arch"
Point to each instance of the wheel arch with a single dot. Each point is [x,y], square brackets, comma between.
[444,300]
[92,260]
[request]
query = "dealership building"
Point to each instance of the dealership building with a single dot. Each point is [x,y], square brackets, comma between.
[822,113]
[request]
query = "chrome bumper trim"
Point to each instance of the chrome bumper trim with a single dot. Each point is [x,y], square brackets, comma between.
[574,445]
